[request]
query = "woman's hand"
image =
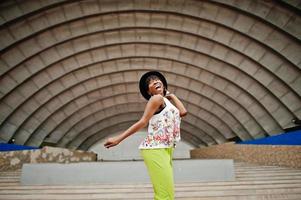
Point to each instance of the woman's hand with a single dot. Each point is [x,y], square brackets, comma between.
[112,142]
[177,103]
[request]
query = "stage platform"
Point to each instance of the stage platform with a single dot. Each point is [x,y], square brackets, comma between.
[123,172]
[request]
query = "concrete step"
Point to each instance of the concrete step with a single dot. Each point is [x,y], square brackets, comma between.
[136,194]
[183,188]
[262,167]
[10,173]
[268,178]
[252,183]
[10,180]
[249,197]
[9,177]
[199,184]
[267,174]
[267,171]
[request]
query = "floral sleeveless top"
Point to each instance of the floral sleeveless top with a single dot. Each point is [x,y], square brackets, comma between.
[163,128]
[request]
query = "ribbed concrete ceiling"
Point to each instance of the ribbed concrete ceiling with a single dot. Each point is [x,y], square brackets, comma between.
[70,69]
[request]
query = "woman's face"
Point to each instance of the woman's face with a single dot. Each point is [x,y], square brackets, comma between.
[155,86]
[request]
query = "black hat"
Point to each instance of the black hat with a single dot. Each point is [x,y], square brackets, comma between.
[144,86]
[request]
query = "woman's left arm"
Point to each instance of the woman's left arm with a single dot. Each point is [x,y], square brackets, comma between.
[152,105]
[177,103]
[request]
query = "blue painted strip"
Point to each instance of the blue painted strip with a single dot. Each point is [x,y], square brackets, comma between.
[290,138]
[14,147]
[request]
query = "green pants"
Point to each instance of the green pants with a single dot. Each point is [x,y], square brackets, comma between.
[159,166]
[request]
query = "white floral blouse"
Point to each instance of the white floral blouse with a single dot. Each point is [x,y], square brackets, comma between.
[163,128]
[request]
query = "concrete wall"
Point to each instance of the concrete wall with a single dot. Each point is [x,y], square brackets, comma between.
[281,155]
[13,160]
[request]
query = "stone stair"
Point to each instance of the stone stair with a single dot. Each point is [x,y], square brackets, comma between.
[252,182]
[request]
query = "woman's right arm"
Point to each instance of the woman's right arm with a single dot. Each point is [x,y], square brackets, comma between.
[151,107]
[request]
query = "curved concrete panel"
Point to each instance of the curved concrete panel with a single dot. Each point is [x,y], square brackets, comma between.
[235,64]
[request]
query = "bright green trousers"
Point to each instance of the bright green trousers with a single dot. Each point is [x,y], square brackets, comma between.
[159,166]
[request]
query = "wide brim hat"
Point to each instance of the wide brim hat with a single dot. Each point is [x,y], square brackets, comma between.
[143,86]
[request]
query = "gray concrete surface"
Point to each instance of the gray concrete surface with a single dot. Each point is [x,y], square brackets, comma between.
[123,172]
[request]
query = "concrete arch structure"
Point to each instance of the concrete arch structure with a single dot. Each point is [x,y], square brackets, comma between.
[55,102]
[235,65]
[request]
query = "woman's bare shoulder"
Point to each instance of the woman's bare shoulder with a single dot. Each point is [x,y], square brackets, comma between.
[157,99]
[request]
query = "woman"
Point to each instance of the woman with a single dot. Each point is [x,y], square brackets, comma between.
[163,132]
